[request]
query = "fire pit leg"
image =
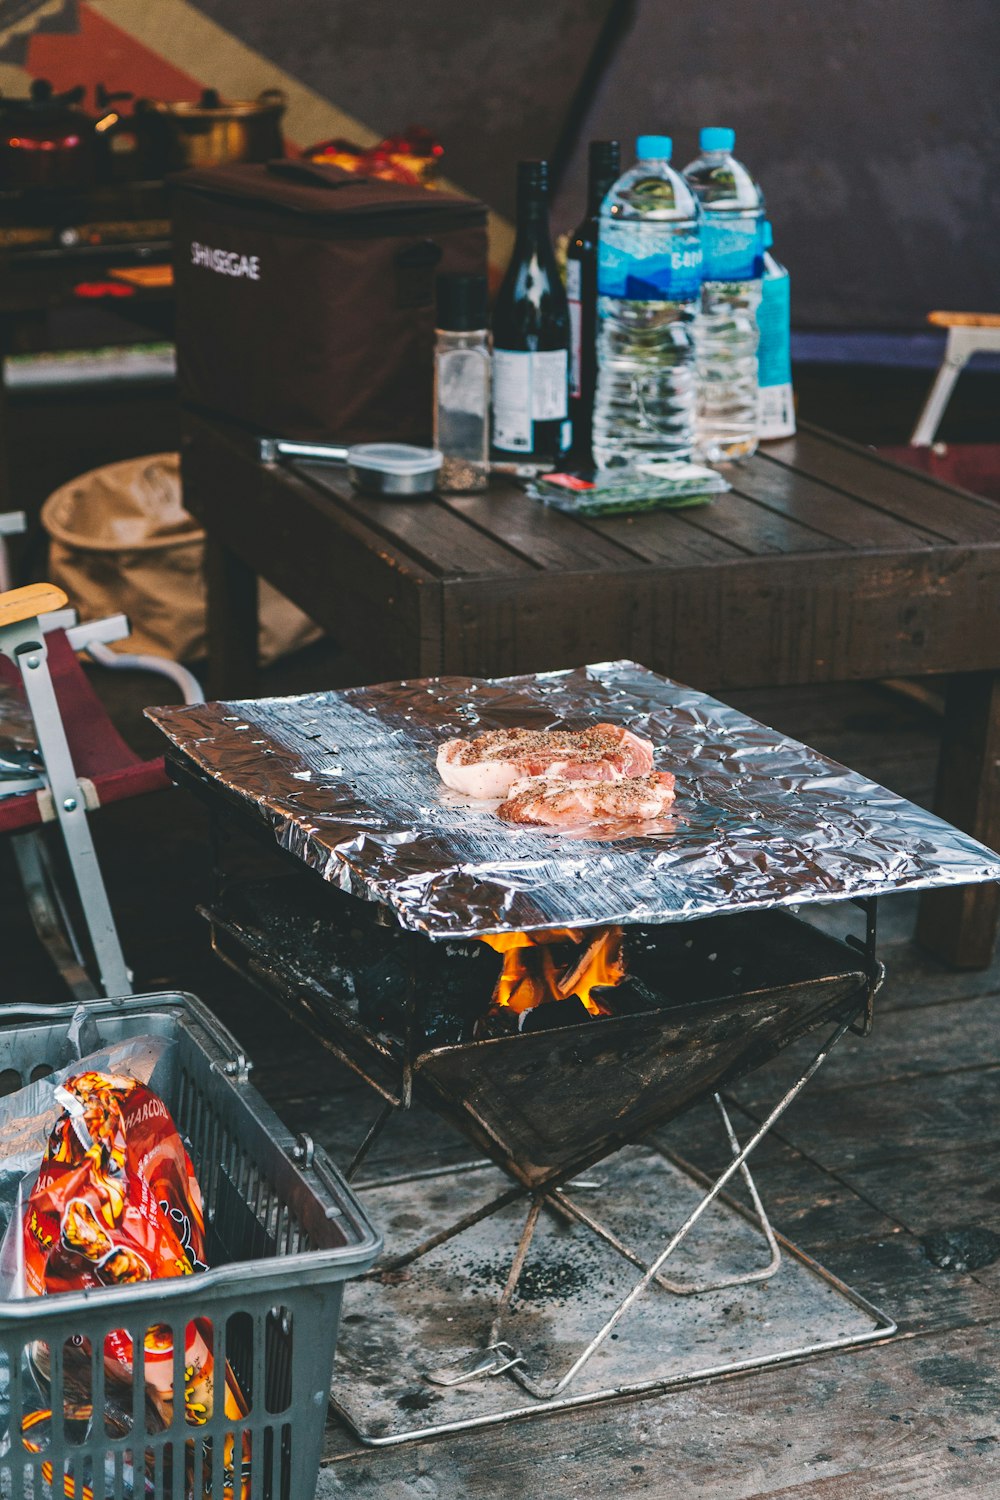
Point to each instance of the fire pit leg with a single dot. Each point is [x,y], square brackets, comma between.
[459,1226]
[517,1266]
[562,1202]
[651,1272]
[380,1122]
[498,1357]
[694,1289]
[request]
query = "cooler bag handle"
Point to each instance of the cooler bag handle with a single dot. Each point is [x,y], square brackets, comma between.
[313,174]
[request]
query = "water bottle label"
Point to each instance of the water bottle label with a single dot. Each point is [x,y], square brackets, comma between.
[775,412]
[574,295]
[731,250]
[527,388]
[672,273]
[774,364]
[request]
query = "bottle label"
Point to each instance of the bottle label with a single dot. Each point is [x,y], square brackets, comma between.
[527,388]
[774,362]
[549,393]
[574,295]
[731,247]
[775,412]
[634,263]
[776,408]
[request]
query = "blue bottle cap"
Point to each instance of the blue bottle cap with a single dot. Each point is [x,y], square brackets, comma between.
[766,234]
[717,138]
[654,148]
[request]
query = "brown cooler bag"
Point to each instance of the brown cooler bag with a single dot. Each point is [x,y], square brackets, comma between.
[305,297]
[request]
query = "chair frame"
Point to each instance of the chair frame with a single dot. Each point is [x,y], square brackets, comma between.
[26,616]
[968,334]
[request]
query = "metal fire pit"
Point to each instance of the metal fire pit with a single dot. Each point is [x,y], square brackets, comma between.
[544,1105]
[345,784]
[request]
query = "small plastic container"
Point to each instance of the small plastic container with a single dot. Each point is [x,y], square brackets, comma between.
[393,469]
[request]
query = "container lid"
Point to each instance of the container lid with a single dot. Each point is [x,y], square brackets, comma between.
[308,190]
[717,138]
[394,458]
[462,303]
[654,148]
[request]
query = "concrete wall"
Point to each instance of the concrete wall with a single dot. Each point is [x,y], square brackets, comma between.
[873,125]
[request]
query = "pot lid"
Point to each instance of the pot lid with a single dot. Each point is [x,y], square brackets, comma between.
[42,103]
[211,106]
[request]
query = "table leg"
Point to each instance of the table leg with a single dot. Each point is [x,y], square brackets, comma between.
[232,623]
[959,925]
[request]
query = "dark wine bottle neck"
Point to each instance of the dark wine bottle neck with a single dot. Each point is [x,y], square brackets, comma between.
[532,216]
[598,188]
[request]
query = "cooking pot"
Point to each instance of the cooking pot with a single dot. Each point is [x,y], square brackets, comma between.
[213,131]
[46,140]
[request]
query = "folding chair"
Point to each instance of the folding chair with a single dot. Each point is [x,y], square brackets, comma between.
[968,334]
[82,763]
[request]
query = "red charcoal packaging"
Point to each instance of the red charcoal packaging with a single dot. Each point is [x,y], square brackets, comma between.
[116,1201]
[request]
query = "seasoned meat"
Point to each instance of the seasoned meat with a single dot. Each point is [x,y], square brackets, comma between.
[489,765]
[575,804]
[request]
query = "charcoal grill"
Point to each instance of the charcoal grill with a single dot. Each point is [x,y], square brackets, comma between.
[344,784]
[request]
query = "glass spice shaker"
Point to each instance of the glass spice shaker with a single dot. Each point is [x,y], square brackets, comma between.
[462,383]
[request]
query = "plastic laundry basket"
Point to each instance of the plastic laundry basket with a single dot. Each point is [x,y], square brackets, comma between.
[284,1233]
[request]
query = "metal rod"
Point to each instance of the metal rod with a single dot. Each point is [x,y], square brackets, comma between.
[517,1265]
[372,1184]
[374,1131]
[574,1211]
[885,1328]
[652,1271]
[272,449]
[678,1288]
[460,1225]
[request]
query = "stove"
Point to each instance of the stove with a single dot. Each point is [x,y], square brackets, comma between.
[558,999]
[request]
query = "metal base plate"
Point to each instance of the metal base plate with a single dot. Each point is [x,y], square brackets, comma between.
[436,1312]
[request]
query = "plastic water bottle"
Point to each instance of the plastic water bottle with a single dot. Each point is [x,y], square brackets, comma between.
[648,280]
[776,410]
[732,208]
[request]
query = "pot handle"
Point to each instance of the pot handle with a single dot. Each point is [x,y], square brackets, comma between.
[313,174]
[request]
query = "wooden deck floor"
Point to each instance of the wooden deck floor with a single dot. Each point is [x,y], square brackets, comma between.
[900,1135]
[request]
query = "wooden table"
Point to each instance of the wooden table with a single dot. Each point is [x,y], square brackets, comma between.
[824,563]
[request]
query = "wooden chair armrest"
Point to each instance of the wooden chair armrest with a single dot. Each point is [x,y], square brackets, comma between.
[34,599]
[964,320]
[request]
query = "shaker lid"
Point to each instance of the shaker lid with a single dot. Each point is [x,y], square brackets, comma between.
[461,303]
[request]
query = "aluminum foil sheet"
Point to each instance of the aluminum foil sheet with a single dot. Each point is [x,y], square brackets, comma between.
[347,782]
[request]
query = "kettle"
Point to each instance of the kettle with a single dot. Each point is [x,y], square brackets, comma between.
[46,140]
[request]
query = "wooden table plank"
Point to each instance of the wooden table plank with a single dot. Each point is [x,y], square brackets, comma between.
[752,622]
[758,529]
[667,537]
[538,533]
[968,793]
[837,515]
[950,514]
[441,539]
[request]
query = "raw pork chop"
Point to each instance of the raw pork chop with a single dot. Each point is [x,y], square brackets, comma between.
[574,804]
[489,765]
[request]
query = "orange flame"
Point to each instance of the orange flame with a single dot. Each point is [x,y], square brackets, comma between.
[531,975]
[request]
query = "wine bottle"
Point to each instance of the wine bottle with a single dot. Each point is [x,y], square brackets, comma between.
[581,289]
[531,335]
